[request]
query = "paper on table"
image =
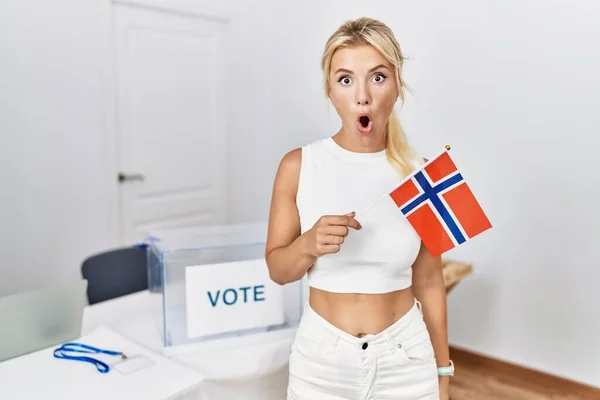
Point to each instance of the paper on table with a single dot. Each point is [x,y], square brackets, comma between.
[40,375]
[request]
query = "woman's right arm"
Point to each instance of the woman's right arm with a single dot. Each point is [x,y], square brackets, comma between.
[288,253]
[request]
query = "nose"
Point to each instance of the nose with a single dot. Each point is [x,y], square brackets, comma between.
[363,97]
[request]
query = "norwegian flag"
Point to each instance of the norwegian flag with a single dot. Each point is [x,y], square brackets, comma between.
[440,206]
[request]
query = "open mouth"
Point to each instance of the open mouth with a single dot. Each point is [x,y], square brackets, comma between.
[365,124]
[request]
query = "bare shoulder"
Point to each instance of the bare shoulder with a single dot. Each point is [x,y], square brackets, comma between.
[288,173]
[284,223]
[291,161]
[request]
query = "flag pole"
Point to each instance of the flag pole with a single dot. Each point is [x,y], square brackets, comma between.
[446,148]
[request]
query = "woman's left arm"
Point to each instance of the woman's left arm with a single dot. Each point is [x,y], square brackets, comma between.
[430,290]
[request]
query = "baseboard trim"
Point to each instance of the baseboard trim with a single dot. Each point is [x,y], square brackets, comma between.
[536,379]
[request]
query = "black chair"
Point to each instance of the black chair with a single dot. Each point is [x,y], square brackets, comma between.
[115,273]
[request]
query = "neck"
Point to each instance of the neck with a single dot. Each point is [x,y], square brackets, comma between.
[372,143]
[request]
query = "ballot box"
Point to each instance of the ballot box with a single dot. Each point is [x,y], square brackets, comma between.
[212,282]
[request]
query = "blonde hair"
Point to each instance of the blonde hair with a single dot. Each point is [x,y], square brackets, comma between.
[368,31]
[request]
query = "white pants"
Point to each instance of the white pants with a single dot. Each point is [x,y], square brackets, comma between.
[327,363]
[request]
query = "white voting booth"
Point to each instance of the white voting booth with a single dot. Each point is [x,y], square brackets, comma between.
[212,282]
[211,294]
[211,326]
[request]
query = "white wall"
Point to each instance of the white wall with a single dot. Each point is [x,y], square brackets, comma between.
[58,205]
[52,202]
[512,86]
[525,103]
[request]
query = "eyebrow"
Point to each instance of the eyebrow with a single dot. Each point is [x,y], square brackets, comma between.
[371,70]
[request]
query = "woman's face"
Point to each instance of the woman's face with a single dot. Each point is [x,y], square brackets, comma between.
[363,92]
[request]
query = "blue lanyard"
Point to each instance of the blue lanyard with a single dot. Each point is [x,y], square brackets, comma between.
[83,348]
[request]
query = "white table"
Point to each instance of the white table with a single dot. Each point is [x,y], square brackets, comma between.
[233,369]
[41,376]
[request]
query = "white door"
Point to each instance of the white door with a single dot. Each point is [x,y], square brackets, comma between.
[171,83]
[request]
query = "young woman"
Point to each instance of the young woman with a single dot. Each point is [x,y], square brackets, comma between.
[375,324]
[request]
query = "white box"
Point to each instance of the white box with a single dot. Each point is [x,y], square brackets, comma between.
[212,282]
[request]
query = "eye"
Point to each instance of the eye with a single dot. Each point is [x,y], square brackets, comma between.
[345,80]
[379,78]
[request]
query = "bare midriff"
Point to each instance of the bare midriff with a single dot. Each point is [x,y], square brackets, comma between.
[361,314]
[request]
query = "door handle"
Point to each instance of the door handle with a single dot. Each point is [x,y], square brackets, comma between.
[130,177]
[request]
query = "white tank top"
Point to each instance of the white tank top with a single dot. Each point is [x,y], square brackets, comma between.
[375,259]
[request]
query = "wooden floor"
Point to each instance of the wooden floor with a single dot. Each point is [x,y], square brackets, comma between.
[480,378]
